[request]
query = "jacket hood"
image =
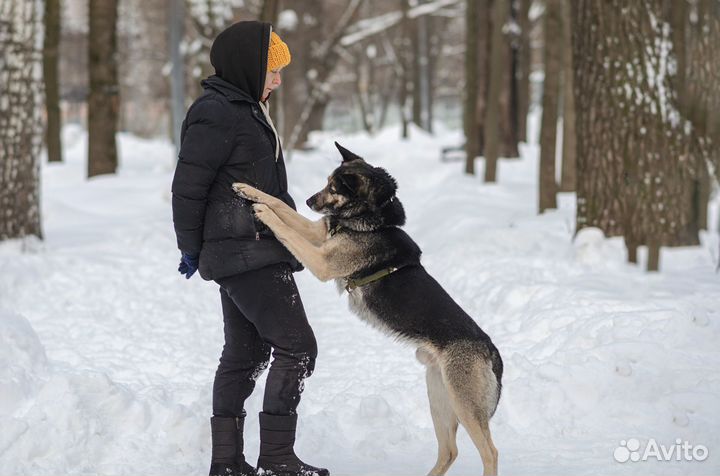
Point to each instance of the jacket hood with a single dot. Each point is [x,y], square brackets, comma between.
[239,55]
[230,91]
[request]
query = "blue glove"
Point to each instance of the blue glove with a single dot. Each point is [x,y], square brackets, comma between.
[188,264]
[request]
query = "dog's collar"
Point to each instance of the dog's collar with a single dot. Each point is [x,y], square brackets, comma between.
[351,283]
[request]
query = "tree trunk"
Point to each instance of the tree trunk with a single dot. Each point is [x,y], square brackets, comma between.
[551,91]
[270,11]
[496,67]
[695,38]
[569,144]
[176,31]
[476,108]
[472,80]
[677,16]
[416,72]
[634,153]
[523,76]
[20,131]
[363,84]
[631,251]
[653,262]
[50,76]
[435,27]
[103,99]
[508,108]
[701,199]
[404,59]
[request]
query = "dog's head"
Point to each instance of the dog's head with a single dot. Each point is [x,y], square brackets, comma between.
[357,189]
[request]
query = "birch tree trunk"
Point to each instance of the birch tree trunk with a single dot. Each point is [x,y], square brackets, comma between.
[20,104]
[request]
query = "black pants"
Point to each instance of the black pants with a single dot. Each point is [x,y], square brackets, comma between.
[262,310]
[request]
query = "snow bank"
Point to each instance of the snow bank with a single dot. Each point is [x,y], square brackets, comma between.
[24,361]
[59,420]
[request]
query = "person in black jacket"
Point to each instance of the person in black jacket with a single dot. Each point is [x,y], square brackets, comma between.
[228,137]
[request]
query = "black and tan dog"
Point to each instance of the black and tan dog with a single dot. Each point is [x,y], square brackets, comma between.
[359,243]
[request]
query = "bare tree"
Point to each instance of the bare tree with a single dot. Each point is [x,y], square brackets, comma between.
[327,56]
[299,26]
[569,143]
[477,41]
[104,98]
[472,139]
[508,101]
[176,31]
[375,81]
[551,90]
[270,11]
[147,72]
[208,18]
[51,45]
[422,31]
[404,67]
[496,72]
[523,70]
[20,133]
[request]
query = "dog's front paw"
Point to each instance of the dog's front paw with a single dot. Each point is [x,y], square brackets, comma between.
[246,191]
[265,214]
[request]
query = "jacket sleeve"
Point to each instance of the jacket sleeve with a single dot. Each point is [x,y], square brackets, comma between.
[207,142]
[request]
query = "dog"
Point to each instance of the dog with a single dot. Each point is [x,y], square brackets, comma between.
[359,243]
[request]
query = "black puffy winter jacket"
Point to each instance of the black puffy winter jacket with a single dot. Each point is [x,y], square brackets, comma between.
[226,138]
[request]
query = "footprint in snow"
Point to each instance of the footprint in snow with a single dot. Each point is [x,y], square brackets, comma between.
[623,368]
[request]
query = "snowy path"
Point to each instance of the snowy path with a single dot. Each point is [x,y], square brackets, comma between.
[107,355]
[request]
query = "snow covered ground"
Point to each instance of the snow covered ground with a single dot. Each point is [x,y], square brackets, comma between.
[107,354]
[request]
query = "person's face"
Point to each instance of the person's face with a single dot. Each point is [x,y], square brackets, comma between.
[272,82]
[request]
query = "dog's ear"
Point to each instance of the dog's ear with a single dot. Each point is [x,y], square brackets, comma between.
[346,154]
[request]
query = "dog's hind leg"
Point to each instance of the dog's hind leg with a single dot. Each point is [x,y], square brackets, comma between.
[443,416]
[473,394]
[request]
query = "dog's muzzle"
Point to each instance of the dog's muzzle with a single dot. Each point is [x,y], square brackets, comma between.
[312,201]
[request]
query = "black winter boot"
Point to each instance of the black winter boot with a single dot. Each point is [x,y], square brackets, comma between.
[277,457]
[227,448]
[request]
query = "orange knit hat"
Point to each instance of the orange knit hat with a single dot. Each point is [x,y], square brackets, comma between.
[278,54]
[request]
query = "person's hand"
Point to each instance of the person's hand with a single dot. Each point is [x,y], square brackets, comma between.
[188,264]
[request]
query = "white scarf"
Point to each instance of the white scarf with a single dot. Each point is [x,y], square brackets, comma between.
[266,111]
